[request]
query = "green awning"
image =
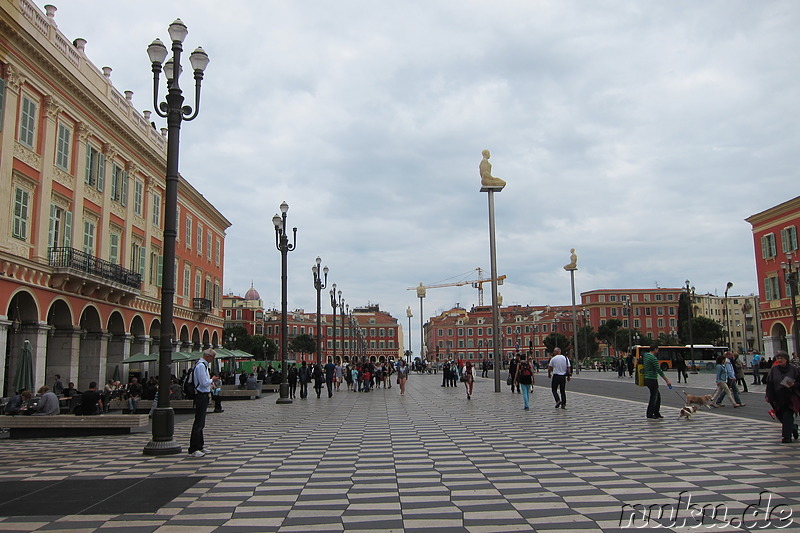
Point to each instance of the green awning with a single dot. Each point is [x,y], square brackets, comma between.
[141,358]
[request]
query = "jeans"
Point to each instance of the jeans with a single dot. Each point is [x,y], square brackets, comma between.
[756,375]
[526,394]
[133,401]
[558,384]
[196,441]
[654,403]
[303,390]
[734,390]
[329,384]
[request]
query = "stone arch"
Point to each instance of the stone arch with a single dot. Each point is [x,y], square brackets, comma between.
[206,340]
[186,343]
[119,346]
[215,338]
[195,339]
[23,312]
[64,342]
[93,348]
[778,337]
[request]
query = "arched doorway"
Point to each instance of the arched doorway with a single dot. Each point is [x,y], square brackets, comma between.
[93,350]
[778,338]
[23,313]
[64,343]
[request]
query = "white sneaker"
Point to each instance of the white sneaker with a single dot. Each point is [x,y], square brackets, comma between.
[206,451]
[197,453]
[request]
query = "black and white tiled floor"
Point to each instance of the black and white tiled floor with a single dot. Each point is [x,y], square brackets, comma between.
[433,461]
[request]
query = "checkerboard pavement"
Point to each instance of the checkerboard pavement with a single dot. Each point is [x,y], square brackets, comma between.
[430,461]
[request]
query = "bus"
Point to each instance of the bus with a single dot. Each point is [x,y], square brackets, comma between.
[705,355]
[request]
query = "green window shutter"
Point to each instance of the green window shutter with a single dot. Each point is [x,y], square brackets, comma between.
[784,241]
[142,260]
[68,229]
[124,195]
[88,178]
[101,171]
[160,271]
[51,230]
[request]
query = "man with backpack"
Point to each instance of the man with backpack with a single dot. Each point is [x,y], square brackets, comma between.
[201,378]
[523,379]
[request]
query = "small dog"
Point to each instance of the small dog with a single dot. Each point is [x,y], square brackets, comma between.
[704,400]
[687,411]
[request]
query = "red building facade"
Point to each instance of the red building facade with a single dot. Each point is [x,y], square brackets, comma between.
[776,248]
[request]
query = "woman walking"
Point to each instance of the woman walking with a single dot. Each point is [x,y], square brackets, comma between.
[782,382]
[468,377]
[402,376]
[523,378]
[722,384]
[319,379]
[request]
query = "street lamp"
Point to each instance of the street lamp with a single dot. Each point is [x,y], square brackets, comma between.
[728,287]
[410,315]
[175,112]
[319,284]
[342,307]
[334,304]
[790,268]
[689,303]
[283,246]
[421,291]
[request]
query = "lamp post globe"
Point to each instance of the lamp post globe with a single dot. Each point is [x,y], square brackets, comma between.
[174,110]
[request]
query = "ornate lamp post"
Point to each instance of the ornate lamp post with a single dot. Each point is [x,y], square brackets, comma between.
[319,284]
[342,313]
[790,270]
[283,246]
[727,317]
[334,304]
[410,315]
[175,112]
[421,292]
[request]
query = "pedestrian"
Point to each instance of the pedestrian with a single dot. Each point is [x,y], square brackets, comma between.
[354,375]
[291,377]
[58,386]
[680,366]
[216,393]
[512,371]
[559,371]
[338,374]
[91,400]
[468,377]
[738,369]
[304,376]
[524,379]
[402,376]
[330,376]
[446,374]
[756,369]
[651,372]
[782,381]
[243,380]
[730,374]
[319,377]
[721,380]
[202,387]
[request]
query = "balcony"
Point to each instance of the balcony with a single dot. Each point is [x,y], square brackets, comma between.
[201,307]
[79,272]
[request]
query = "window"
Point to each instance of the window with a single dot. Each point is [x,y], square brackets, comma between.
[156,209]
[21,200]
[187,280]
[199,239]
[138,197]
[772,288]
[27,123]
[188,231]
[95,168]
[613,311]
[197,287]
[637,323]
[768,249]
[208,245]
[789,239]
[660,310]
[612,298]
[88,237]
[113,248]
[138,258]
[119,184]
[62,147]
[660,322]
[218,250]
[156,268]
[659,297]
[60,229]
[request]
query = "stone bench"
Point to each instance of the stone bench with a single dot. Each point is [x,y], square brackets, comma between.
[178,406]
[270,387]
[239,394]
[33,426]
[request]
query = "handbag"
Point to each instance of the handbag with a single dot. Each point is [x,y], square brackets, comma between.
[464,378]
[509,381]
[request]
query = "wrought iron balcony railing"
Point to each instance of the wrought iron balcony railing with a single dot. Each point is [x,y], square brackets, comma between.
[80,261]
[202,305]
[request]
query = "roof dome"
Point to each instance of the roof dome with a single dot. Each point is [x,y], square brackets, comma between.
[252,294]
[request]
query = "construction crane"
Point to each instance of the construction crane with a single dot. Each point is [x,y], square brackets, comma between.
[476,283]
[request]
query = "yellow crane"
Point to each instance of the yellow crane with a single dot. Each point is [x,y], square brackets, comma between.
[476,283]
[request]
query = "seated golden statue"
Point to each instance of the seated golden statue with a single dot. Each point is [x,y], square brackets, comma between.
[487,180]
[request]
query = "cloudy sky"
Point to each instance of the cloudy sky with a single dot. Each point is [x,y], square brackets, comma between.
[640,133]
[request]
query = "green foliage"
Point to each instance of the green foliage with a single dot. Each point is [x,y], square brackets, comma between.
[264,348]
[556,340]
[707,331]
[587,342]
[608,333]
[667,339]
[303,344]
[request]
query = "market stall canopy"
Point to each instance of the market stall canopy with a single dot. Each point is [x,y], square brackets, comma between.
[141,358]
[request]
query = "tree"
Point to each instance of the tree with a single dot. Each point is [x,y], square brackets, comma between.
[263,348]
[706,331]
[608,333]
[556,340]
[303,343]
[242,338]
[683,316]
[668,339]
[587,342]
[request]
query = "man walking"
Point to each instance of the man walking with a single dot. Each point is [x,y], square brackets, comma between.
[202,386]
[652,370]
[756,369]
[731,378]
[559,371]
[330,375]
